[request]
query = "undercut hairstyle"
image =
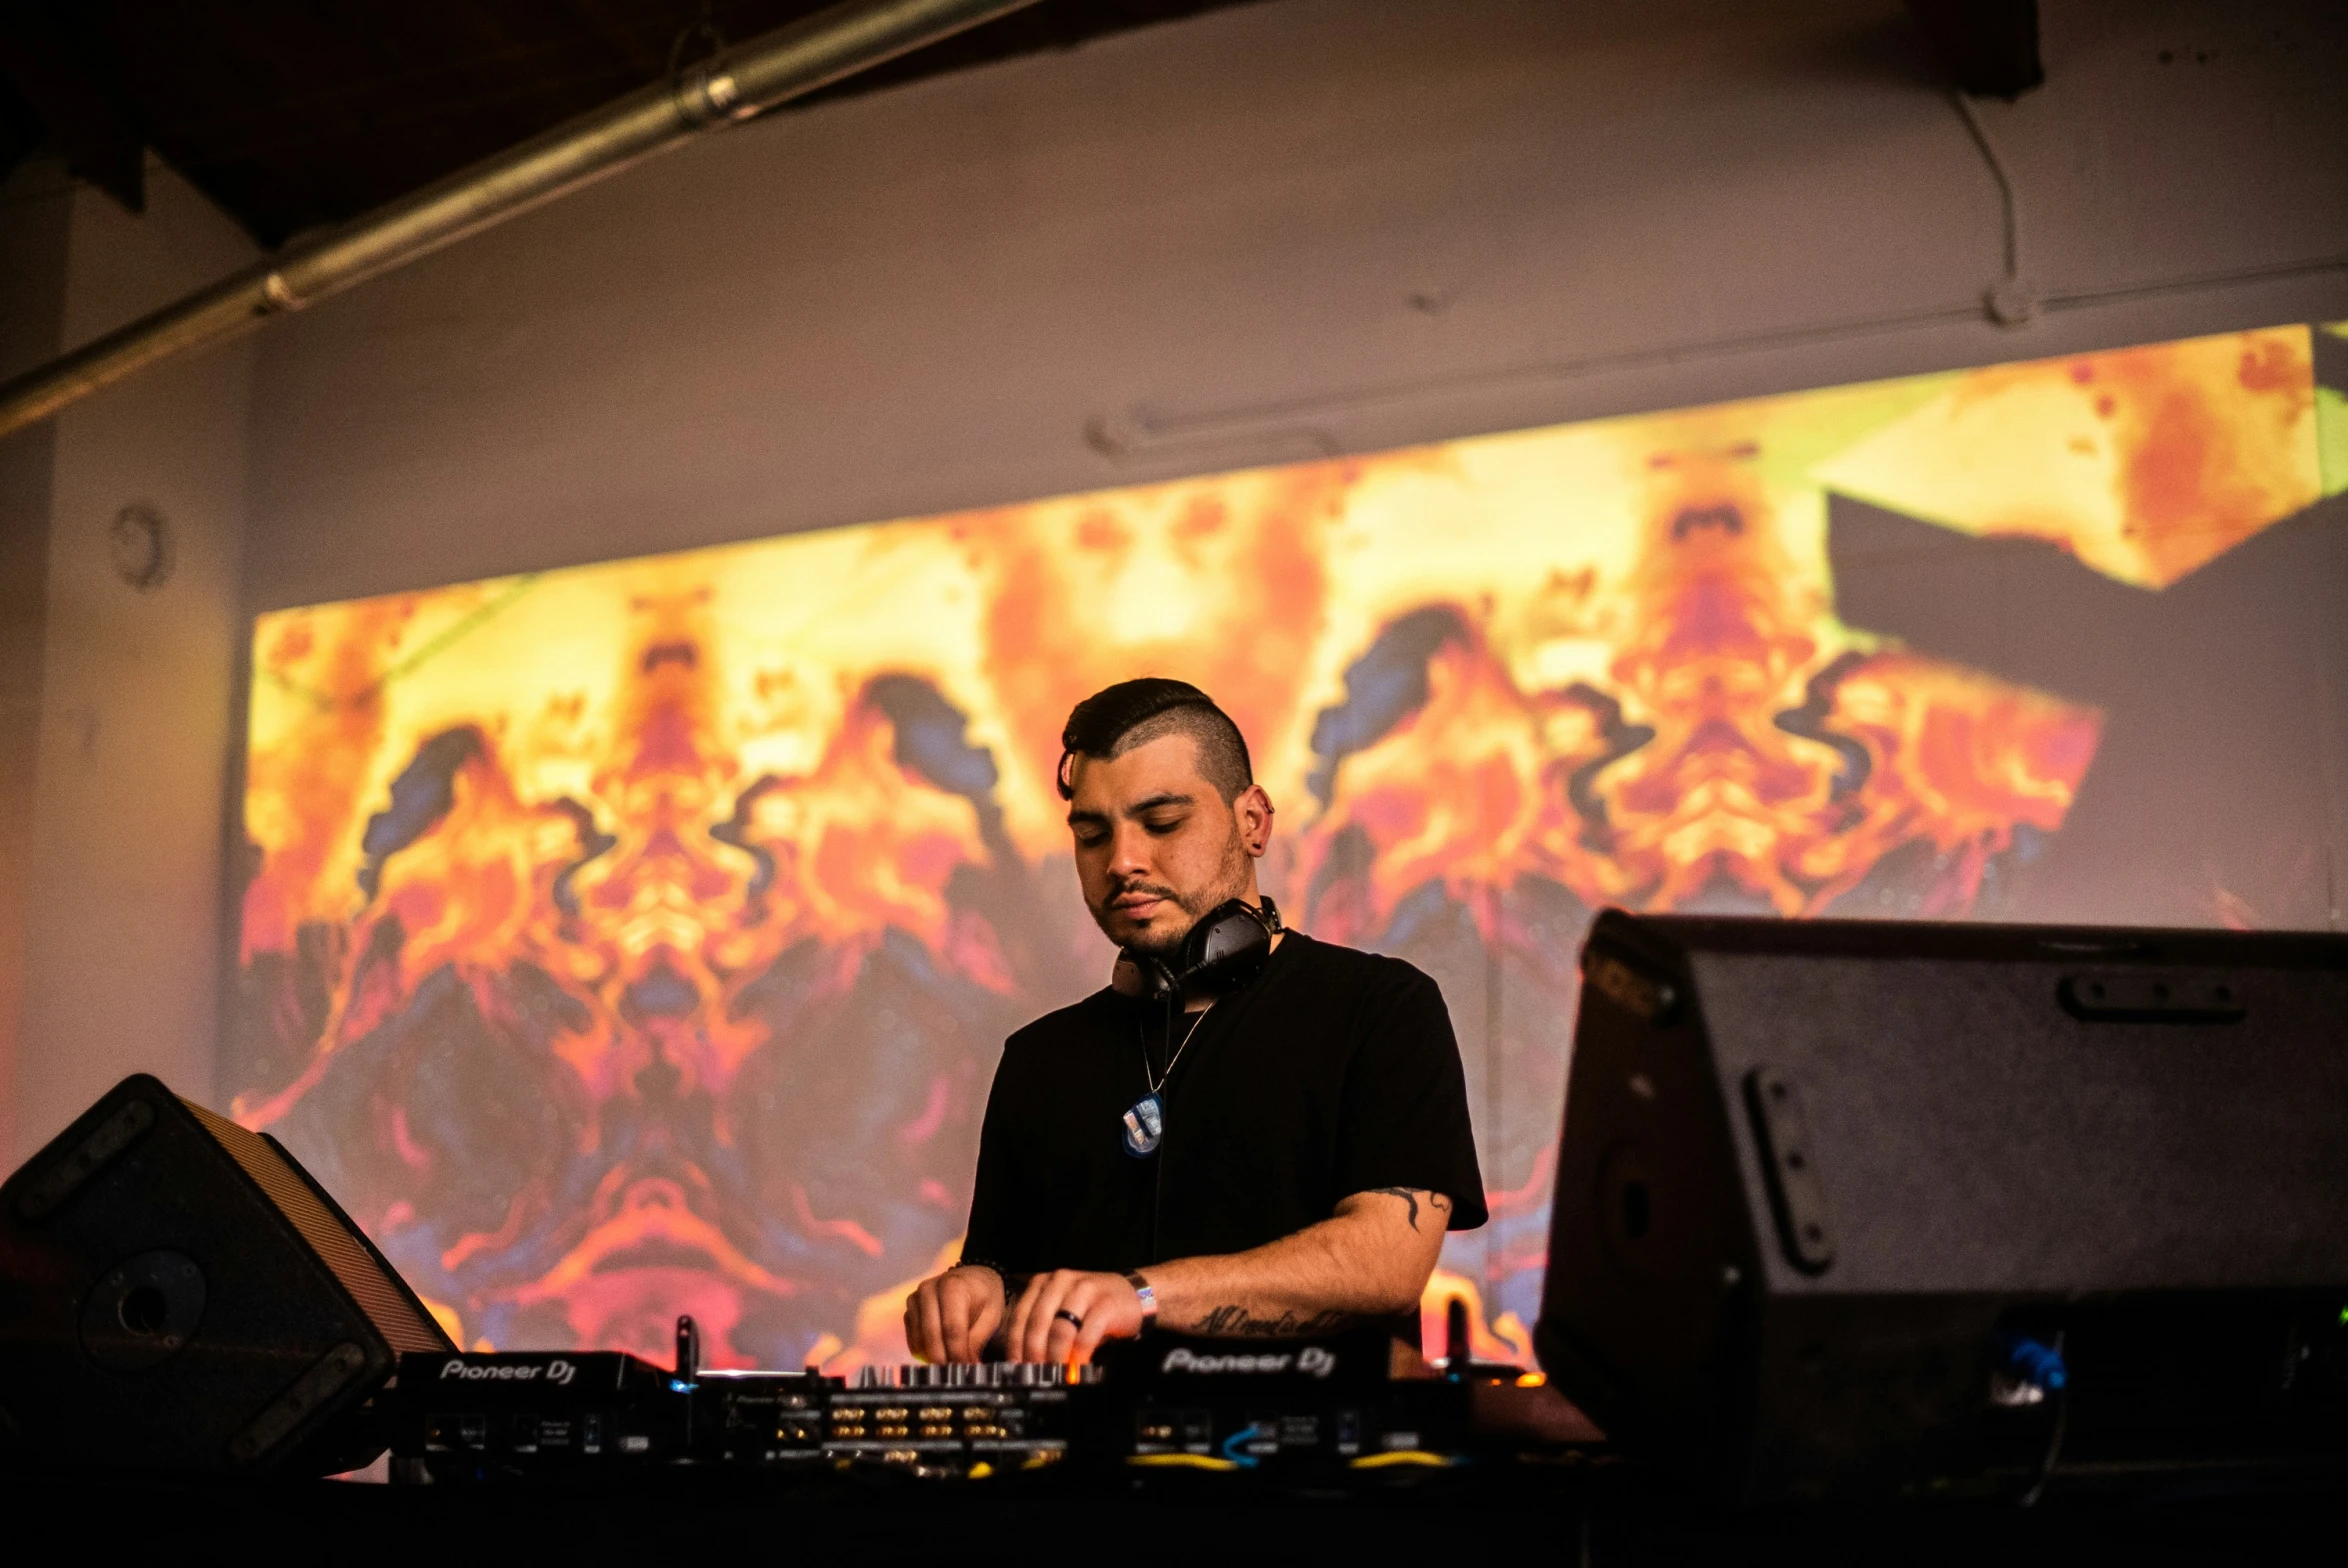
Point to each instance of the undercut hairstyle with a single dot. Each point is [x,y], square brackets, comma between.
[1114,720]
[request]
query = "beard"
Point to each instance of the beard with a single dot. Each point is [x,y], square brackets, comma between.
[1165,939]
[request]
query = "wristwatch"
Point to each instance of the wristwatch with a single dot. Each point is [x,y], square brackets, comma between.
[1149,1297]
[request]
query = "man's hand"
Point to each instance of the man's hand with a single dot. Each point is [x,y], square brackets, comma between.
[1063,1316]
[952,1316]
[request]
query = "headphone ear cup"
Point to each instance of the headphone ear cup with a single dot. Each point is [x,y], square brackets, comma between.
[1224,950]
[1223,929]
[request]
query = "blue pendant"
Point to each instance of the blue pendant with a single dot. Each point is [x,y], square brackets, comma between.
[1145,1124]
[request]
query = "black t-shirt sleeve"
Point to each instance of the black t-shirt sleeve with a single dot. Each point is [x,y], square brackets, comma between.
[999,1218]
[1405,1120]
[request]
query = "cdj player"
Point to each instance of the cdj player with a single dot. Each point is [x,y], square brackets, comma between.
[1360,1400]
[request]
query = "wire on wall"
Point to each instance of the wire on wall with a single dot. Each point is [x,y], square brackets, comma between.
[2011,301]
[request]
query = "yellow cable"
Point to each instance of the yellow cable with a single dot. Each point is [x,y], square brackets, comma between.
[1401,1456]
[1182,1461]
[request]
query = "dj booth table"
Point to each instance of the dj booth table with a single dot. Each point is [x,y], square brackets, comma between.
[1490,1514]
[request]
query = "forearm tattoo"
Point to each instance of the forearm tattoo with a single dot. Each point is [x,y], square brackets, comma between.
[1435,1200]
[1236,1322]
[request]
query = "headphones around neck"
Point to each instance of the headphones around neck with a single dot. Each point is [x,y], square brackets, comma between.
[1222,953]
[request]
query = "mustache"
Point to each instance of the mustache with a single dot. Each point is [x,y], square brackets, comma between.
[1118,890]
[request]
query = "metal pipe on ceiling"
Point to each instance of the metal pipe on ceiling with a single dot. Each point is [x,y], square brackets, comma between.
[732,85]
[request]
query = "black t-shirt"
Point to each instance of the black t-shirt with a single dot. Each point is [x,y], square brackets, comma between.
[1333,1073]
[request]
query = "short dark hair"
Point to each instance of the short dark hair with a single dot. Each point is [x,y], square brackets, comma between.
[1115,719]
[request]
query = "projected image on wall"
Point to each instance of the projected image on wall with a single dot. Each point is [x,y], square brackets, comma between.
[639,938]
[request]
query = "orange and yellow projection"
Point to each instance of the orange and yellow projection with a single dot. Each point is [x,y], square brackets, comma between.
[637,939]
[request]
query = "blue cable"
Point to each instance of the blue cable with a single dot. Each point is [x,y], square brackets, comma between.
[2039,1365]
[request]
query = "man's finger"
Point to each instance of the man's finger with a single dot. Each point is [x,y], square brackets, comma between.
[1059,1341]
[931,1313]
[1016,1349]
[1018,1314]
[982,1328]
[960,1295]
[1043,1299]
[1055,1331]
[953,1316]
[1096,1315]
[1041,1319]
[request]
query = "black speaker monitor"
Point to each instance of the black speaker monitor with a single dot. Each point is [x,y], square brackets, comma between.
[1847,1206]
[177,1293]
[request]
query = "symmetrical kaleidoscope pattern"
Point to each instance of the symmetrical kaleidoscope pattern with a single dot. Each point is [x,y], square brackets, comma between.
[639,938]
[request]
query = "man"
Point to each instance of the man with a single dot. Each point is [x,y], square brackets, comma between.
[1278,1152]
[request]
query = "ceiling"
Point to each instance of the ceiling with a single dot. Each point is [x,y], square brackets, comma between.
[291,114]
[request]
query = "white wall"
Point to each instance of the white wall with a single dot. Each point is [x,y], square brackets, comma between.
[121,896]
[1370,222]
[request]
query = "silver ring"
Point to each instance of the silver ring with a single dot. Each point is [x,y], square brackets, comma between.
[1066,1316]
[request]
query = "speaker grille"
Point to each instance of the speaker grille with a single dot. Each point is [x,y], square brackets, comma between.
[380,1297]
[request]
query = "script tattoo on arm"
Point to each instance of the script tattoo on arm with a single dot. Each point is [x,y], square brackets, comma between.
[1236,1322]
[1435,1200]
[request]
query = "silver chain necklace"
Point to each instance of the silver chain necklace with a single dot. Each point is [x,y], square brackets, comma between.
[1144,1121]
[1159,1083]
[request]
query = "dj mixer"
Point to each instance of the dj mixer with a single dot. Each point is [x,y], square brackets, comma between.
[1166,1402]
[924,1417]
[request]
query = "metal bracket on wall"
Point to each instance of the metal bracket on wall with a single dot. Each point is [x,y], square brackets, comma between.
[1136,435]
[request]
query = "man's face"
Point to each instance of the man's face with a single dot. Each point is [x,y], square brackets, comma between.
[1156,846]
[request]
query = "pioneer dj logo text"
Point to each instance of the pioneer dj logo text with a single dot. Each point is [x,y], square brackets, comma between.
[558,1371]
[1312,1361]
